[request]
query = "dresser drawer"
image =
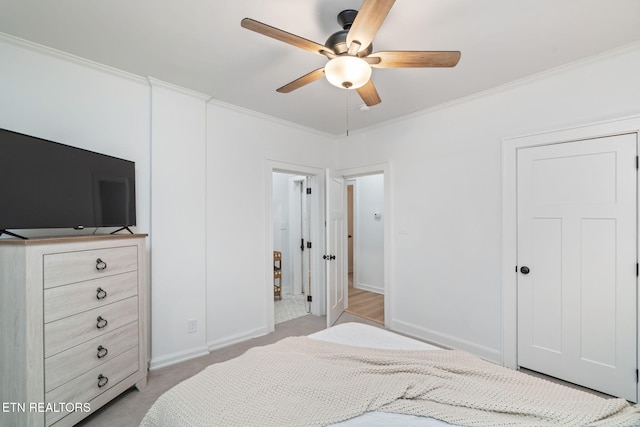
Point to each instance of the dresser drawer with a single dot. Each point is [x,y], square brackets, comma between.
[71,331]
[71,267]
[87,386]
[64,301]
[77,360]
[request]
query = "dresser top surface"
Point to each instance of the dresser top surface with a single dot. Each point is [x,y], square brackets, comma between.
[69,239]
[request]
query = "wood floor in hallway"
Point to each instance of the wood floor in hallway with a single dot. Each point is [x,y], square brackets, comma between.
[368,305]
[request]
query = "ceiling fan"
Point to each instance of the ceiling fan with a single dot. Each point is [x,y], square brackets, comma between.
[350,51]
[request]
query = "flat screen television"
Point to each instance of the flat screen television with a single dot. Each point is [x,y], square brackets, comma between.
[45,184]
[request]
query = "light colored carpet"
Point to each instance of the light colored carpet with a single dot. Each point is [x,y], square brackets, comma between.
[128,409]
[289,307]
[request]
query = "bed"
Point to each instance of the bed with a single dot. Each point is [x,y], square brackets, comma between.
[358,375]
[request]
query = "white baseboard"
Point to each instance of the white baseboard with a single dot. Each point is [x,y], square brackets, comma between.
[447,341]
[227,341]
[370,288]
[181,356]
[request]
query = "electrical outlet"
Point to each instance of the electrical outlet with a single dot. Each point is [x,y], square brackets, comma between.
[192,326]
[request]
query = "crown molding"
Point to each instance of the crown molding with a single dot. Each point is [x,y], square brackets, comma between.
[148,81]
[246,111]
[58,54]
[524,81]
[153,82]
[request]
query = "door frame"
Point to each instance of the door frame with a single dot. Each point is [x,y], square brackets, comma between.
[296,212]
[385,170]
[318,289]
[351,217]
[510,147]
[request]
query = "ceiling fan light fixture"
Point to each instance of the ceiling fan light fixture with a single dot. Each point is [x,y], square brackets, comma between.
[347,72]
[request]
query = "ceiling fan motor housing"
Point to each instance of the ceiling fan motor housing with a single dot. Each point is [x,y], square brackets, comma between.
[346,18]
[338,40]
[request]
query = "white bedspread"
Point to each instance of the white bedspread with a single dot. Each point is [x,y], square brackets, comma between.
[302,381]
[361,335]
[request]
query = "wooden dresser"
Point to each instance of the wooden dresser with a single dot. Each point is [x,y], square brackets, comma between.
[73,326]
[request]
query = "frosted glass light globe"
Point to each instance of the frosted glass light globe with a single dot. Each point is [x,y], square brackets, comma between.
[347,72]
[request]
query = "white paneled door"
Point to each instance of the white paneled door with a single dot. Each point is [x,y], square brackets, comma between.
[577,257]
[336,246]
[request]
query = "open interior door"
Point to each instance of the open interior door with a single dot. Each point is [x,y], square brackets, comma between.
[335,256]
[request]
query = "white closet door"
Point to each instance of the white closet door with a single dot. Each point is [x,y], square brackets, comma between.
[577,236]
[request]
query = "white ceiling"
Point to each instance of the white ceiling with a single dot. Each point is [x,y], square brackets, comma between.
[199,45]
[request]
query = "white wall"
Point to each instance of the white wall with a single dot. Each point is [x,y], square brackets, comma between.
[446,184]
[206,220]
[74,102]
[369,233]
[446,169]
[178,218]
[239,144]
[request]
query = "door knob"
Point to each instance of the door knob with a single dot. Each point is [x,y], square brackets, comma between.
[524,269]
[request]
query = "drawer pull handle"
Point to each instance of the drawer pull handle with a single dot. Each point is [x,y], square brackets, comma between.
[102,380]
[101,293]
[100,265]
[102,323]
[102,352]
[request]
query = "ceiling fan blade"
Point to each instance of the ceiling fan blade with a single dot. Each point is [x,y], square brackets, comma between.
[411,59]
[370,17]
[304,80]
[369,94]
[283,36]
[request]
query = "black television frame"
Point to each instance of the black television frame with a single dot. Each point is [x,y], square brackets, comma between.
[50,185]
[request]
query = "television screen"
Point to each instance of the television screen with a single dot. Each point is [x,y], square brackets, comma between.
[51,185]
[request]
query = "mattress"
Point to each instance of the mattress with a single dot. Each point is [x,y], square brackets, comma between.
[361,335]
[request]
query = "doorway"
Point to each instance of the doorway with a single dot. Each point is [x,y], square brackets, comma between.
[365,220]
[291,236]
[319,267]
[294,179]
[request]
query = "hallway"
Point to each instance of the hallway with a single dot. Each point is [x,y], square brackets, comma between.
[365,304]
